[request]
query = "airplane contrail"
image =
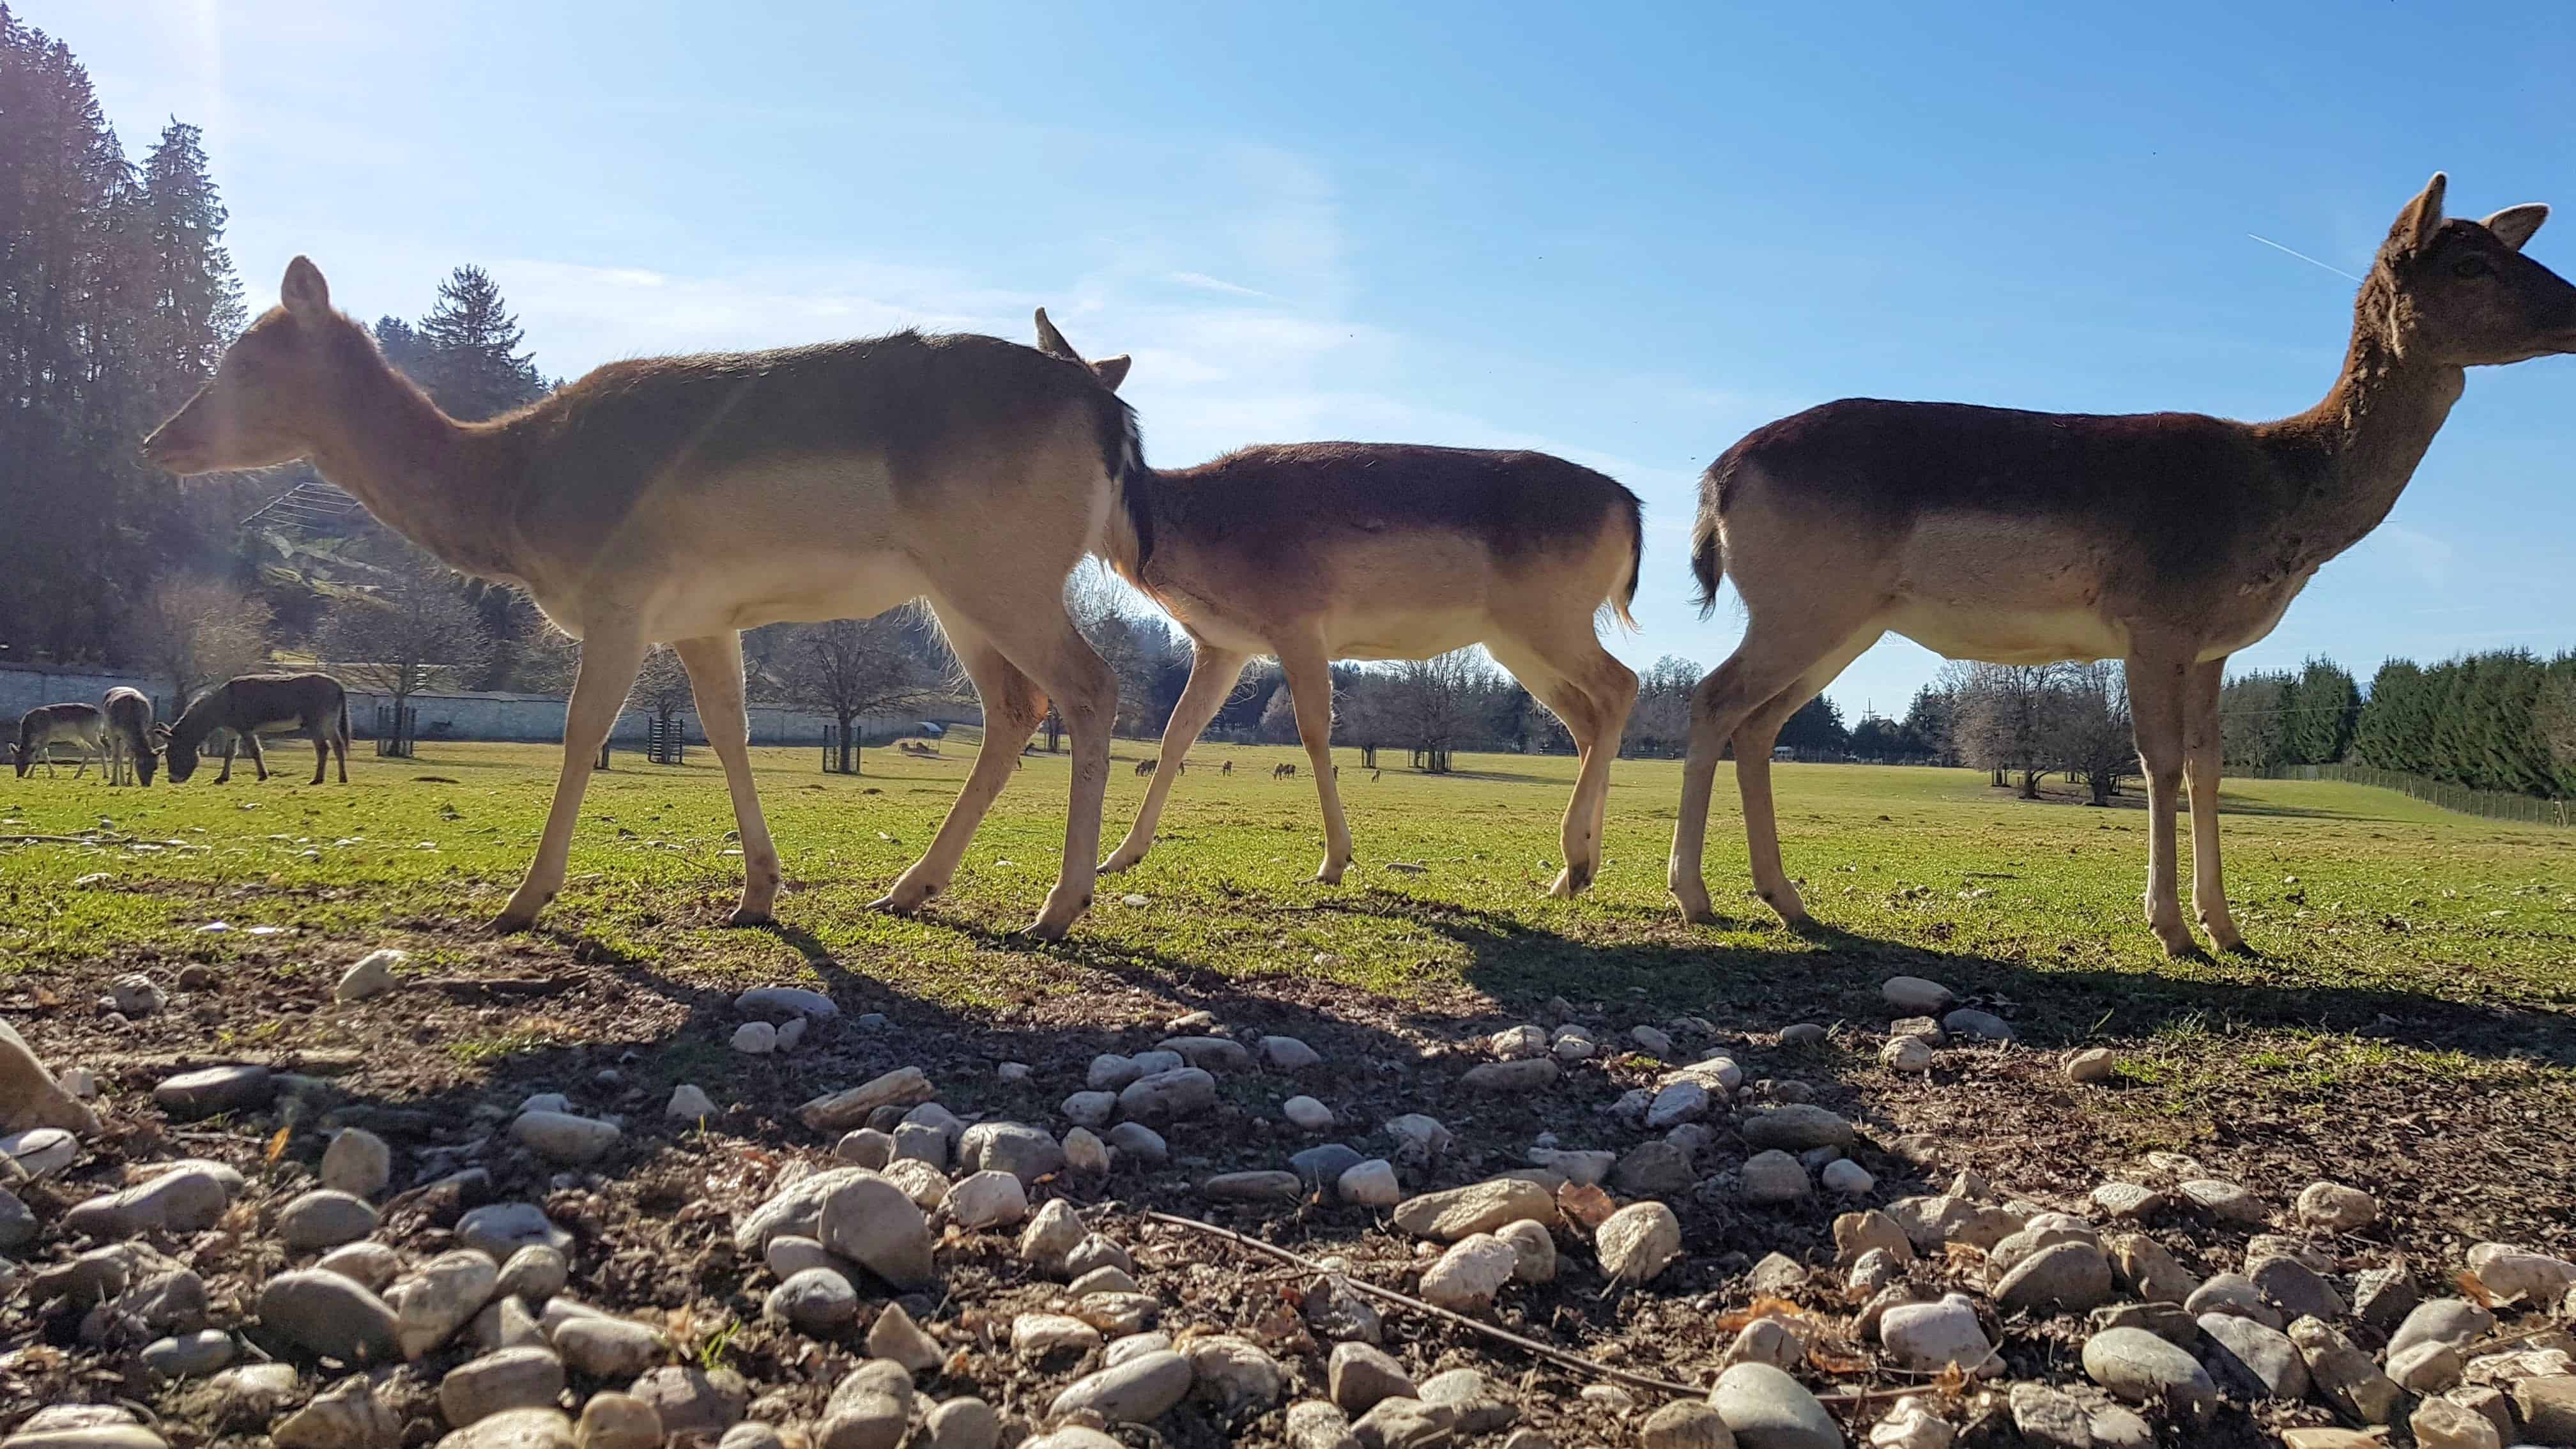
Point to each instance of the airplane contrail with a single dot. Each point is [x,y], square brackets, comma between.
[2303,256]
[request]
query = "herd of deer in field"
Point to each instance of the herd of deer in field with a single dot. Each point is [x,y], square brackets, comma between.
[685,499]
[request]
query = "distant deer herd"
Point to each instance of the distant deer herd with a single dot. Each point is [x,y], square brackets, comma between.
[686,499]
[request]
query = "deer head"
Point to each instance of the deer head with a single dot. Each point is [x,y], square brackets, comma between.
[181,763]
[1110,370]
[262,407]
[22,759]
[2461,292]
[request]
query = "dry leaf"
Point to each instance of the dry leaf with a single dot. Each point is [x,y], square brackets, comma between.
[1762,1308]
[1825,1361]
[2473,1290]
[277,1145]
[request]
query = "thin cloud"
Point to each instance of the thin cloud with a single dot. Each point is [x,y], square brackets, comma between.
[1206,283]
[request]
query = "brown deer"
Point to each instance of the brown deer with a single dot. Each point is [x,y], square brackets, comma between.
[2168,540]
[131,736]
[313,706]
[690,498]
[1314,552]
[75,723]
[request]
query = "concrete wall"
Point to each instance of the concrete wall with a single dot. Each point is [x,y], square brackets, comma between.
[528,717]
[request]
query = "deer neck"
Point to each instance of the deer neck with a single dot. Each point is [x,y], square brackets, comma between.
[447,486]
[2373,428]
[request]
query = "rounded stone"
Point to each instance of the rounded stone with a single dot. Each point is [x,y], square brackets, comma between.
[357,1162]
[617,1421]
[1775,1177]
[1767,1409]
[816,1300]
[1636,1242]
[513,1378]
[1138,1391]
[534,1274]
[324,1218]
[330,1315]
[2140,1367]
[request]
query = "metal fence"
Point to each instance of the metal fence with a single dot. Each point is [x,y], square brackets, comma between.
[2492,804]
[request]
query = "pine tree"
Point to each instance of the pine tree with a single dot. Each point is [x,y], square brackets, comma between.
[194,296]
[475,368]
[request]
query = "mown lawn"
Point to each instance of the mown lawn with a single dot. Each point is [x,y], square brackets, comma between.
[2361,900]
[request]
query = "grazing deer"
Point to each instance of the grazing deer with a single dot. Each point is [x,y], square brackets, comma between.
[690,498]
[1144,767]
[2168,540]
[1277,772]
[130,735]
[1229,768]
[1321,551]
[76,724]
[313,706]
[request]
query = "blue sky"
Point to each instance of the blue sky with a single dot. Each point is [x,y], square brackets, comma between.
[1624,234]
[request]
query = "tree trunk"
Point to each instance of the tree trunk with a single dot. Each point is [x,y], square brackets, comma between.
[851,758]
[2030,784]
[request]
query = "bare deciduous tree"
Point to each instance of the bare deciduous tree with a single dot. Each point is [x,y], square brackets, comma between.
[853,668]
[198,632]
[662,685]
[411,632]
[2003,721]
[2091,730]
[1440,701]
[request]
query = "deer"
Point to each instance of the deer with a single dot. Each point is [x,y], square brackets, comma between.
[1277,772]
[2166,540]
[1229,768]
[74,723]
[313,706]
[1144,767]
[130,733]
[686,499]
[1313,552]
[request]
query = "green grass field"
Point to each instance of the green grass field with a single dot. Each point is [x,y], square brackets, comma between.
[2361,900]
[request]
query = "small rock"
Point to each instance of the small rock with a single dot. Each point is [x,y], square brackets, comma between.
[347,1415]
[841,1111]
[2332,1207]
[2426,1368]
[2296,1289]
[605,1347]
[534,1274]
[1142,1143]
[1519,1041]
[1168,1096]
[535,1428]
[1466,1278]
[1472,1404]
[1288,1054]
[1322,1165]
[1266,1186]
[185,1201]
[871,1221]
[2260,1360]
[1523,1074]
[1637,1241]
[865,1147]
[1055,1231]
[563,1137]
[1776,1276]
[1417,1138]
[2096,1064]
[1685,1425]
[995,1199]
[1403,1424]
[2138,1366]
[2072,1276]
[1085,1152]
[1797,1127]
[2149,1269]
[1359,1375]
[514,1378]
[2232,1293]
[1677,1102]
[1090,1109]
[814,1300]
[372,975]
[1036,1335]
[2128,1200]
[357,1162]
[1906,1054]
[371,1264]
[2222,1200]
[693,1401]
[1026,1153]
[1138,1391]
[1307,1113]
[1371,1183]
[2441,1424]
[784,1001]
[1535,1248]
[618,1421]
[1916,996]
[506,1323]
[1094,1253]
[1977,1025]
[2382,1297]
[1766,1340]
[963,1424]
[1235,1374]
[1846,1178]
[868,1408]
[896,1337]
[2344,1375]
[1929,1337]
[2518,1275]
[2547,1405]
[1315,1424]
[1914,1424]
[2455,1321]
[755,1038]
[1476,1208]
[1767,1409]
[1653,1169]
[2048,1419]
[690,1103]
[1858,1233]
[430,1305]
[189,1355]
[1774,1177]
[2168,1321]
[330,1315]
[323,1218]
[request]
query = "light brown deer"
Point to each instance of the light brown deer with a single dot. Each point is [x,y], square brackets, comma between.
[2168,540]
[689,498]
[1314,552]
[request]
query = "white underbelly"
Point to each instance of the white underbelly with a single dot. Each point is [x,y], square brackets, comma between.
[2010,636]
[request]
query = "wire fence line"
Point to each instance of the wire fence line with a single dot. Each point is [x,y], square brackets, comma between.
[2491,804]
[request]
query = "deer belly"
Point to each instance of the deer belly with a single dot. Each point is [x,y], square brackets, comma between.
[2010,635]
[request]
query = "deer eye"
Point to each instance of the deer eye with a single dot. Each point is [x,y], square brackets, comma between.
[2472,267]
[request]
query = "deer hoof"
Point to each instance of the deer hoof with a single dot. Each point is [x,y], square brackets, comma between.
[512,922]
[1121,861]
[748,916]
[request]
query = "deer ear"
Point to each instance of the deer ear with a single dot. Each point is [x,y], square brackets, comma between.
[1112,370]
[304,292]
[2421,217]
[2514,225]
[1051,342]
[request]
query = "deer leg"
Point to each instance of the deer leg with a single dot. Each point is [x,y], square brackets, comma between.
[1310,690]
[1753,741]
[258,757]
[715,680]
[2202,757]
[340,748]
[606,673]
[1213,673]
[2157,690]
[1013,706]
[1770,661]
[1592,696]
[321,737]
[225,776]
